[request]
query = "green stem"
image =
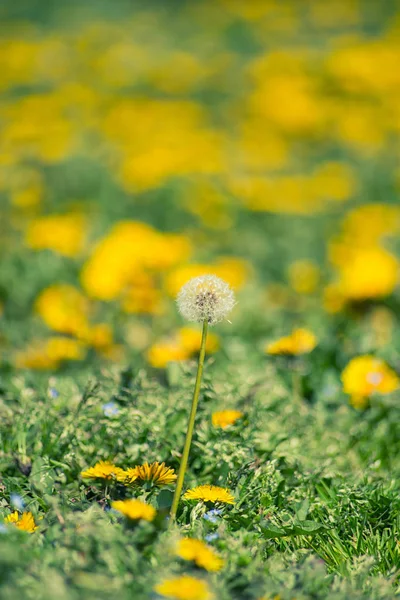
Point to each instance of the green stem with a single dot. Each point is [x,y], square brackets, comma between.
[189,432]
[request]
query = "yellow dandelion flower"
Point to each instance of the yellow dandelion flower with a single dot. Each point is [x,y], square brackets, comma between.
[223,418]
[64,234]
[127,476]
[368,273]
[162,353]
[200,553]
[48,354]
[300,341]
[116,259]
[99,336]
[365,375]
[158,473]
[60,348]
[184,588]
[135,509]
[25,522]
[63,308]
[104,469]
[210,493]
[369,223]
[141,295]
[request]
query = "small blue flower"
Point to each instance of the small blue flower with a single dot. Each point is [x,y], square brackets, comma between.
[53,393]
[3,528]
[210,537]
[17,501]
[110,409]
[212,515]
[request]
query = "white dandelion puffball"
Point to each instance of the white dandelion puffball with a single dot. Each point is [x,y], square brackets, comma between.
[205,298]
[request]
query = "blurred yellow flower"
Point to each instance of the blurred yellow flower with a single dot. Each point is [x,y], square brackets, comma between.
[359,126]
[134,509]
[365,65]
[224,418]
[290,102]
[25,134]
[210,493]
[25,522]
[234,271]
[189,339]
[104,469]
[184,587]
[179,276]
[201,554]
[368,273]
[303,276]
[339,14]
[18,57]
[64,234]
[300,341]
[141,295]
[333,181]
[119,262]
[178,72]
[365,375]
[50,353]
[99,336]
[162,138]
[167,250]
[259,149]
[115,258]
[62,348]
[367,224]
[162,353]
[63,308]
[296,193]
[181,346]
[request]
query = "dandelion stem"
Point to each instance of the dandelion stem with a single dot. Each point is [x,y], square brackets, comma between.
[192,417]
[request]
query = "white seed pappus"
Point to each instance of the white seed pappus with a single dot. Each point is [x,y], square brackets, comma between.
[205,298]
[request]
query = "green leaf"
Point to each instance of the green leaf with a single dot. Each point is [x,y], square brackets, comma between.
[306,528]
[164,499]
[271,531]
[302,511]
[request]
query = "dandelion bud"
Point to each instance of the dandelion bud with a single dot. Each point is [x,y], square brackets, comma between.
[205,298]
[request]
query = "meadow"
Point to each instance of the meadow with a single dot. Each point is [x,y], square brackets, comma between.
[146,144]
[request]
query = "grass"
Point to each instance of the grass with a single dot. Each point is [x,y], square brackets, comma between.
[316,489]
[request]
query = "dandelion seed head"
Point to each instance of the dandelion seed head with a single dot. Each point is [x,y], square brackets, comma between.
[206,298]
